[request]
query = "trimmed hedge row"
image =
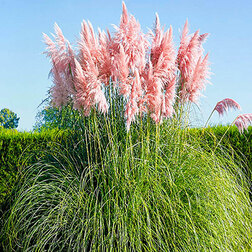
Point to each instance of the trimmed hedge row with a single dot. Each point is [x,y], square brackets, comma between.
[233,140]
[236,144]
[20,149]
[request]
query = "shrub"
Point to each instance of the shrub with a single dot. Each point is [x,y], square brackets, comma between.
[238,145]
[20,149]
[8,119]
[140,196]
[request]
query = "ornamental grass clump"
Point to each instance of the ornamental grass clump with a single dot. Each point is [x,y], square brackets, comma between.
[132,179]
[181,197]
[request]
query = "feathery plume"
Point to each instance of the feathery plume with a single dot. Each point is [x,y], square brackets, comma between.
[58,90]
[82,98]
[134,42]
[132,107]
[156,41]
[96,66]
[124,17]
[88,45]
[170,94]
[89,39]
[203,37]
[197,81]
[99,97]
[51,49]
[243,121]
[188,59]
[226,104]
[154,94]
[105,63]
[161,74]
[183,42]
[62,58]
[121,71]
[194,72]
[60,39]
[88,89]
[166,62]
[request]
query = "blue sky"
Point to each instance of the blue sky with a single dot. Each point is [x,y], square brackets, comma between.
[24,69]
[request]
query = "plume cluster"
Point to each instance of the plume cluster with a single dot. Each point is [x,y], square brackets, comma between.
[194,68]
[226,104]
[243,121]
[146,68]
[62,59]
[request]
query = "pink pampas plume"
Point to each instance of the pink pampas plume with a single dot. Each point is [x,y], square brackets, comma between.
[183,42]
[132,107]
[170,94]
[105,62]
[94,61]
[188,59]
[134,42]
[156,41]
[87,45]
[243,121]
[60,39]
[58,51]
[99,97]
[161,74]
[51,49]
[198,79]
[96,51]
[59,91]
[88,84]
[87,59]
[145,73]
[70,69]
[88,88]
[89,39]
[166,62]
[124,17]
[62,58]
[194,72]
[154,94]
[203,37]
[223,106]
[121,71]
[226,104]
[82,97]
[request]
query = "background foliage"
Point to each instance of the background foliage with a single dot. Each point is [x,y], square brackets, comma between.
[50,117]
[8,119]
[22,148]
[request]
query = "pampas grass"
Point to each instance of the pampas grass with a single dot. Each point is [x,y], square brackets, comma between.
[145,187]
[151,189]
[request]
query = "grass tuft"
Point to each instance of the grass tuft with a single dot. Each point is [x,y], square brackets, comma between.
[154,188]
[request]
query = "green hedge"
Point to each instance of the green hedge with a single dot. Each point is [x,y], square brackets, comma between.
[238,145]
[20,149]
[233,141]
